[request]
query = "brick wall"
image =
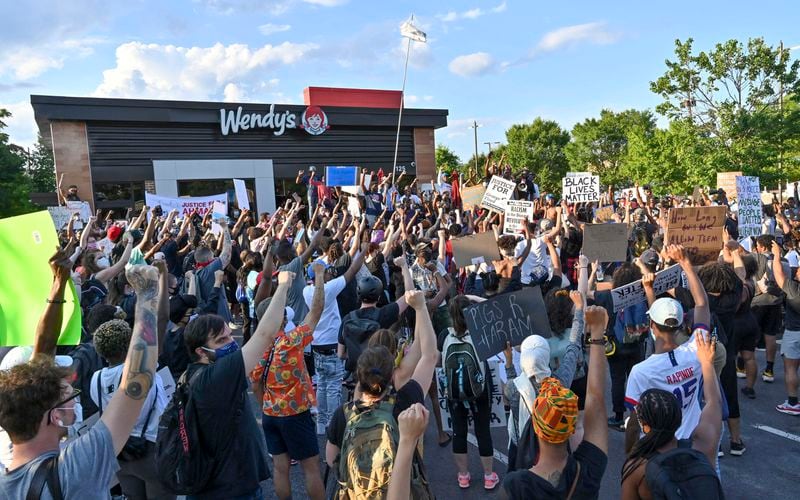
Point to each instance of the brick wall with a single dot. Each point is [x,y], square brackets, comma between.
[425,154]
[71,154]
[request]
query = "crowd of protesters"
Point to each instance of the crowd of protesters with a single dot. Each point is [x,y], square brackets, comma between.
[345,313]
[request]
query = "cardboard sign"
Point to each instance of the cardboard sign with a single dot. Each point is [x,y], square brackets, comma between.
[341,176]
[472,246]
[498,416]
[28,242]
[508,317]
[353,206]
[497,192]
[518,213]
[727,182]
[185,205]
[633,293]
[220,209]
[472,196]
[604,214]
[698,229]
[580,187]
[241,194]
[605,242]
[767,197]
[748,198]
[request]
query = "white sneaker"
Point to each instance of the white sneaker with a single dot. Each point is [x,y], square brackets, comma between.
[788,409]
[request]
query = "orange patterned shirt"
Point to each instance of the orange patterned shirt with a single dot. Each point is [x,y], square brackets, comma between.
[288,388]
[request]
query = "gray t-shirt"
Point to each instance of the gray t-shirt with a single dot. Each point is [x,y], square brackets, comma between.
[86,467]
[294,298]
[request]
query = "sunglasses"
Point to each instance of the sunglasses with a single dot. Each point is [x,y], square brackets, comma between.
[58,406]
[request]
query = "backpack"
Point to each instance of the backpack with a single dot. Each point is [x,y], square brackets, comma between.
[464,373]
[86,361]
[356,332]
[184,466]
[93,292]
[682,473]
[768,293]
[631,324]
[366,460]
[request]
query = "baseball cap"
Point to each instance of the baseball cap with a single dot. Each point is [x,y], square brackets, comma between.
[649,258]
[113,233]
[22,354]
[310,270]
[667,312]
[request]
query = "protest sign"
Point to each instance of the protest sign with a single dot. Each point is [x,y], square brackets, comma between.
[472,196]
[518,213]
[633,293]
[767,198]
[698,229]
[241,194]
[168,381]
[353,206]
[61,217]
[604,214]
[697,194]
[498,414]
[185,205]
[727,182]
[82,208]
[341,176]
[28,243]
[605,242]
[497,192]
[634,194]
[472,246]
[748,199]
[508,317]
[580,187]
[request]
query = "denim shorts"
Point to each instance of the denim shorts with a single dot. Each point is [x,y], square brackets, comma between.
[295,435]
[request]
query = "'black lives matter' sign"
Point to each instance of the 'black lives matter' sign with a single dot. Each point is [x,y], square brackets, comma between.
[508,317]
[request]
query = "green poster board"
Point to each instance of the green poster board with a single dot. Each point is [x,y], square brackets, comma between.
[26,244]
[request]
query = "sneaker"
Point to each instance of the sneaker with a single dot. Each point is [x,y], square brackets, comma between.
[740,373]
[720,453]
[737,449]
[490,481]
[616,424]
[788,409]
[749,392]
[293,462]
[463,480]
[768,376]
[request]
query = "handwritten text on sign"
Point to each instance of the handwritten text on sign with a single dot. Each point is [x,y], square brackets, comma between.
[498,416]
[509,317]
[186,205]
[497,192]
[748,198]
[582,187]
[633,293]
[698,229]
[518,213]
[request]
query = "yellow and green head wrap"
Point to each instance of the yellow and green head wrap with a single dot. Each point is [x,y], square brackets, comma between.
[555,412]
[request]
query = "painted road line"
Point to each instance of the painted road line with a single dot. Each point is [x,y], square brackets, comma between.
[499,456]
[778,432]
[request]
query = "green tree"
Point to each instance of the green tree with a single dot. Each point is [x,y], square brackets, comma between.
[40,168]
[13,187]
[734,94]
[446,159]
[539,147]
[600,145]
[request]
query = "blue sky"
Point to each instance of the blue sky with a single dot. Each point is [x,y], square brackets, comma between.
[497,62]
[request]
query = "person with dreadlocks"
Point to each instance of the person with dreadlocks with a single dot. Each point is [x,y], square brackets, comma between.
[659,415]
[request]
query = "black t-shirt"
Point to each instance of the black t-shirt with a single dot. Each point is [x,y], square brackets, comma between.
[228,428]
[170,250]
[524,484]
[347,300]
[385,316]
[405,397]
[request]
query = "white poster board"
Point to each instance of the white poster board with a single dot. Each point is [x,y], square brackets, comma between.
[518,213]
[580,187]
[633,293]
[353,206]
[185,205]
[498,417]
[241,194]
[219,209]
[748,198]
[497,192]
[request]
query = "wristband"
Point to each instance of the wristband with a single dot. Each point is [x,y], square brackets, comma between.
[56,301]
[596,341]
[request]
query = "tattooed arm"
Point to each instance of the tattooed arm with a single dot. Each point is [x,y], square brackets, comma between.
[225,255]
[140,364]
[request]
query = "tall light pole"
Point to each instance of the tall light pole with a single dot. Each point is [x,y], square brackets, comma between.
[474,127]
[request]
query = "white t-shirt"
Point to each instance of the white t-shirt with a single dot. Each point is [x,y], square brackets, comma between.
[793,258]
[539,256]
[327,331]
[678,372]
[110,383]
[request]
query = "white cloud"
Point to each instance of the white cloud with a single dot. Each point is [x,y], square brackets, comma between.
[29,61]
[270,29]
[21,127]
[326,3]
[170,72]
[596,33]
[473,13]
[233,93]
[420,57]
[500,8]
[475,64]
[274,7]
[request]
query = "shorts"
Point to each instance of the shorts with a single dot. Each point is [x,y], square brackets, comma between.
[295,435]
[769,318]
[790,345]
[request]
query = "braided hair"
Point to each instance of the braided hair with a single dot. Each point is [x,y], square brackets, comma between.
[660,410]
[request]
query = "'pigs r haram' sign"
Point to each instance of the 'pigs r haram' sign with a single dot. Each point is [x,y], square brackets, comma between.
[580,187]
[508,317]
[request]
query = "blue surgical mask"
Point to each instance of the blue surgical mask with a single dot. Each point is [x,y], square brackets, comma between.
[223,351]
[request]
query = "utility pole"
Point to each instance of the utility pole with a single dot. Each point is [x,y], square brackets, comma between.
[475,126]
[490,145]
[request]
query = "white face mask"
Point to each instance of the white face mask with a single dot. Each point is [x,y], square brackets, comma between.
[72,429]
[103,262]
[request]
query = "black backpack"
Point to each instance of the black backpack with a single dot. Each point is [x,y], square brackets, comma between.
[463,370]
[356,332]
[86,361]
[682,473]
[93,292]
[184,466]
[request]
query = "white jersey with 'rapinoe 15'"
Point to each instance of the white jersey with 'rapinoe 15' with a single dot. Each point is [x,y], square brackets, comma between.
[679,372]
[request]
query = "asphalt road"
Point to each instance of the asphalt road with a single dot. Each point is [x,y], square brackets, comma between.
[768,469]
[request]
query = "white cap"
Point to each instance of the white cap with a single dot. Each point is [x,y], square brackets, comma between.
[22,354]
[667,312]
[534,357]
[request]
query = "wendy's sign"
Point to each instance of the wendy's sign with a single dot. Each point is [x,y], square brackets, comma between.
[313,120]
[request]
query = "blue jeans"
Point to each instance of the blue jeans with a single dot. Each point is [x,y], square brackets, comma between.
[330,371]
